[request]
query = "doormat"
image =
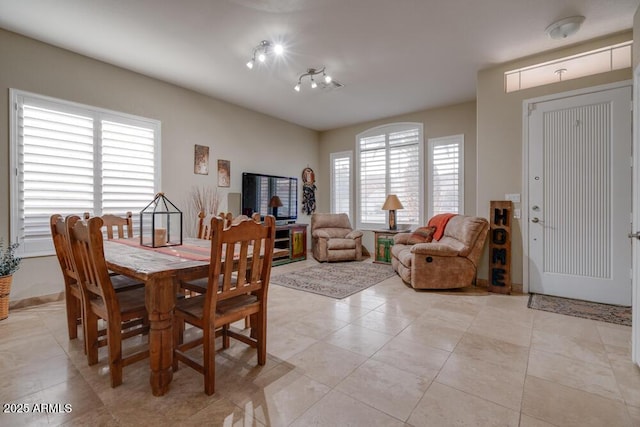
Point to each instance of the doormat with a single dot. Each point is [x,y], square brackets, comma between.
[335,280]
[589,310]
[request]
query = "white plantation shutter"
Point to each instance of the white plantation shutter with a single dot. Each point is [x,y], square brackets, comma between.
[405,173]
[67,159]
[390,162]
[373,179]
[446,181]
[56,160]
[341,182]
[128,167]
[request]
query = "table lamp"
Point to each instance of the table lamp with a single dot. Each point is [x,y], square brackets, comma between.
[274,204]
[392,204]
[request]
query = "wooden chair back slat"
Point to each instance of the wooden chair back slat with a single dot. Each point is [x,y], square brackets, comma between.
[256,261]
[227,276]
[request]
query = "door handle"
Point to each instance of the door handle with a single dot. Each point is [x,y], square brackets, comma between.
[634,235]
[536,220]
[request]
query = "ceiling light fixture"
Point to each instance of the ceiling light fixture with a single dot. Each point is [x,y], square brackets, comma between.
[326,81]
[559,72]
[264,49]
[565,27]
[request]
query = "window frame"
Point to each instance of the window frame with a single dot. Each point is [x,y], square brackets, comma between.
[432,142]
[387,129]
[19,97]
[332,158]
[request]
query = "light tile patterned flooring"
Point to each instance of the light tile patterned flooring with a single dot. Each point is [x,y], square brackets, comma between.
[388,356]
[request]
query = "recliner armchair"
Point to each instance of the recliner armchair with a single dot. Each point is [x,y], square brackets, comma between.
[333,238]
[451,262]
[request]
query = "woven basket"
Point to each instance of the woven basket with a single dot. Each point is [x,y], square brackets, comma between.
[5,289]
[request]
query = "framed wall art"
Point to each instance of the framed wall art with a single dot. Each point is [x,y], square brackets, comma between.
[224,173]
[201,160]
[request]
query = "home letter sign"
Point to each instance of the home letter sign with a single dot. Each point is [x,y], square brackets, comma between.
[500,247]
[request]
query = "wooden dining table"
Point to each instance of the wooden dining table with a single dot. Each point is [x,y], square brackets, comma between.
[160,269]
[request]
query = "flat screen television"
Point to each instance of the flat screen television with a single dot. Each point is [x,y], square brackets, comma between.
[259,189]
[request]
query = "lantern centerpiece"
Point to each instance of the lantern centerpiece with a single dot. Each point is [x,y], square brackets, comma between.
[160,223]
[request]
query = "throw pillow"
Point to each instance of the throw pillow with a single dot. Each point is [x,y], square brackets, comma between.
[422,235]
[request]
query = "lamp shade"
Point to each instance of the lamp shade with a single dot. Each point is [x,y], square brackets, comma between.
[392,203]
[275,202]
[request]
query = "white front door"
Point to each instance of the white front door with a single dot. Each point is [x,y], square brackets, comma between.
[580,196]
[635,323]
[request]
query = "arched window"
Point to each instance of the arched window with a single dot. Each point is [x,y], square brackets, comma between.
[390,160]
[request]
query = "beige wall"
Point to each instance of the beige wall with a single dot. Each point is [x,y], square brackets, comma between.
[253,142]
[499,141]
[438,122]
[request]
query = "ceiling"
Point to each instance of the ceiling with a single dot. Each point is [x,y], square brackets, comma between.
[393,57]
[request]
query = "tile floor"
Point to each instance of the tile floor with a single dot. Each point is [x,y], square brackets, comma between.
[388,356]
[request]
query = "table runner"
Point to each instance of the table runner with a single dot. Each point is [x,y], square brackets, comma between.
[187,250]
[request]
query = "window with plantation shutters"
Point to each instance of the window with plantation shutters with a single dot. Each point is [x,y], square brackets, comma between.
[68,158]
[446,175]
[128,167]
[390,161]
[341,165]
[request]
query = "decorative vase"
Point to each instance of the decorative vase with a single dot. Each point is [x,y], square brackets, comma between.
[5,289]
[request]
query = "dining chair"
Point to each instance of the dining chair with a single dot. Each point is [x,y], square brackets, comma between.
[237,289]
[118,227]
[204,223]
[123,312]
[200,285]
[72,291]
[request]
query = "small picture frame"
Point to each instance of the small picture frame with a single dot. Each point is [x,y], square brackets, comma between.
[201,160]
[224,173]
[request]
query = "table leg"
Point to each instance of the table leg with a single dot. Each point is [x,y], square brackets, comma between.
[160,301]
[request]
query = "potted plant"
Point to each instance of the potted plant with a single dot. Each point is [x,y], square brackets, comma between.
[9,264]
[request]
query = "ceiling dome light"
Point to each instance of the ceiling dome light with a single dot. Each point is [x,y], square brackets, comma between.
[565,27]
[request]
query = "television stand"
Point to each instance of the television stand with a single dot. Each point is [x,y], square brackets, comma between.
[292,238]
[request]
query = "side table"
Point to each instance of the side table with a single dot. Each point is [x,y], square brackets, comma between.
[383,240]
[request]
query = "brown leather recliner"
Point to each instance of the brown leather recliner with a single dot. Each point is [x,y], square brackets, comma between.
[333,239]
[450,262]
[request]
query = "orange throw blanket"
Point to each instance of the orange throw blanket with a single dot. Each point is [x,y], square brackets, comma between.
[440,222]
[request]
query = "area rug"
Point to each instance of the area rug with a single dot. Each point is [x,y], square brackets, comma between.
[335,280]
[588,310]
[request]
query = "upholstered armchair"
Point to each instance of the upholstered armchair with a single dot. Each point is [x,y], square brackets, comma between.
[451,262]
[333,239]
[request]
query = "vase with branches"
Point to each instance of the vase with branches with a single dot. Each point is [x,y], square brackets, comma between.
[200,199]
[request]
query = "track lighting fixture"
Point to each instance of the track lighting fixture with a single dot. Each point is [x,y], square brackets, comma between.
[264,49]
[326,81]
